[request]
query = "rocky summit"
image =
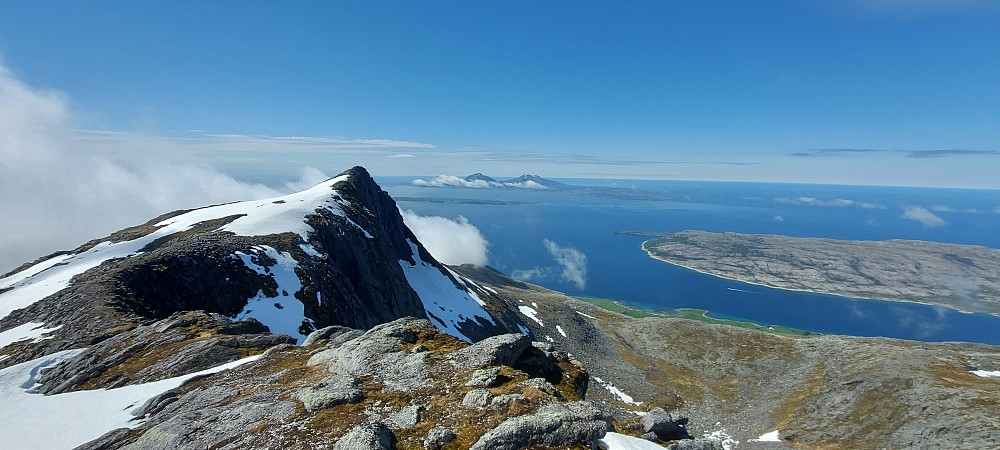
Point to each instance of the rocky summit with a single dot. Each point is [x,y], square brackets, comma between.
[318,320]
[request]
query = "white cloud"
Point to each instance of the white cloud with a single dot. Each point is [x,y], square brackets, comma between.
[572,261]
[533,274]
[948,209]
[58,191]
[922,215]
[451,180]
[779,219]
[308,178]
[997,210]
[452,242]
[837,202]
[526,185]
[401,155]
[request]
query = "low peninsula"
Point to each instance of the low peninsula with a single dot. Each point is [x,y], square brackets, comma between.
[963,277]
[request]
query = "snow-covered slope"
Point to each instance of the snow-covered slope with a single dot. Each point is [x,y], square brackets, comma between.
[253,218]
[35,421]
[447,305]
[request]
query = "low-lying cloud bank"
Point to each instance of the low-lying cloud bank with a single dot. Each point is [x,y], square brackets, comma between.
[836,202]
[452,242]
[453,181]
[57,192]
[922,215]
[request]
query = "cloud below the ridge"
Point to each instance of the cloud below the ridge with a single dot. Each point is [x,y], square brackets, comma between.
[837,202]
[571,266]
[572,261]
[58,191]
[452,242]
[922,215]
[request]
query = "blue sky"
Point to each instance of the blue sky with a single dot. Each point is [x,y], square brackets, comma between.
[783,91]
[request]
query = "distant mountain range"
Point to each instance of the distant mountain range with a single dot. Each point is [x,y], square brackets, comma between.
[523,180]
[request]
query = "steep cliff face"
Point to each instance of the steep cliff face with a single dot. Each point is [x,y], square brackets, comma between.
[336,254]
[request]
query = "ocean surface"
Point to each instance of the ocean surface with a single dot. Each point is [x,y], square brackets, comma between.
[518,223]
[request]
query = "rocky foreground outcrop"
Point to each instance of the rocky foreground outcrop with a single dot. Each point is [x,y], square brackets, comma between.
[400,384]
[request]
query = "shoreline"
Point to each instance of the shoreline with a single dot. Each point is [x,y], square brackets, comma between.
[697,314]
[808,291]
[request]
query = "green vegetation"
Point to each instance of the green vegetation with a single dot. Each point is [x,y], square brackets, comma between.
[700,315]
[614,306]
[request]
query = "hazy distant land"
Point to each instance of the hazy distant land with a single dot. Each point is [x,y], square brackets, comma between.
[964,277]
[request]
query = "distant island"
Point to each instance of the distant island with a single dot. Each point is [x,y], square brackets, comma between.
[963,277]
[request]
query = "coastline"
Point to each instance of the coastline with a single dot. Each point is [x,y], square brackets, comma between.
[809,291]
[697,314]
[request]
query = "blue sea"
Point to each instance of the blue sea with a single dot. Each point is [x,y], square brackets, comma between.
[586,217]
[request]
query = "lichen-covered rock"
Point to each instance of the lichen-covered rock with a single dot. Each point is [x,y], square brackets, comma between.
[659,422]
[541,385]
[369,436]
[497,350]
[477,398]
[331,391]
[506,398]
[407,417]
[327,333]
[437,437]
[484,377]
[697,444]
[379,353]
[556,424]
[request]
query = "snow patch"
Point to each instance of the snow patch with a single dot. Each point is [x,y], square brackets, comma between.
[446,304]
[987,373]
[721,435]
[282,314]
[531,313]
[560,330]
[524,330]
[615,441]
[549,338]
[310,250]
[625,398]
[586,315]
[30,330]
[770,436]
[28,420]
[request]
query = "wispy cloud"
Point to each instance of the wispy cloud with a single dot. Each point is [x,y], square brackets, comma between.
[453,242]
[836,202]
[572,261]
[328,142]
[945,153]
[948,209]
[401,156]
[922,215]
[818,152]
[835,152]
[571,266]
